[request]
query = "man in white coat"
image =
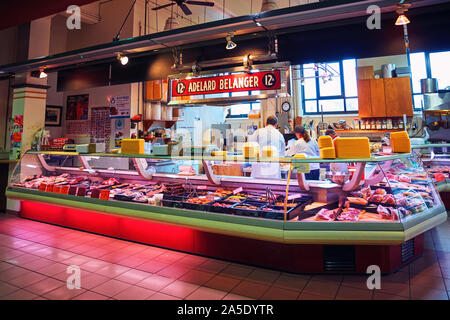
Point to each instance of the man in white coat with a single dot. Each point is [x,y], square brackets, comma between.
[268,136]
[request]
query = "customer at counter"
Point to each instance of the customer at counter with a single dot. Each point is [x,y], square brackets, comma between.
[307,146]
[268,136]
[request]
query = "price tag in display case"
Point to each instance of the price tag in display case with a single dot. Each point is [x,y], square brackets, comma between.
[301,167]
[81,191]
[294,196]
[236,191]
[104,194]
[202,187]
[65,189]
[95,193]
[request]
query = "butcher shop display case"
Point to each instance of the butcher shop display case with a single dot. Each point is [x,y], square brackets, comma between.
[375,213]
[435,158]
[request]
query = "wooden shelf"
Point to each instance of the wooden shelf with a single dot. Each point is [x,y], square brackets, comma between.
[369,131]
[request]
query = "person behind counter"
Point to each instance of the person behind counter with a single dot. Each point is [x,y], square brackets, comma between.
[309,147]
[331,133]
[340,167]
[268,136]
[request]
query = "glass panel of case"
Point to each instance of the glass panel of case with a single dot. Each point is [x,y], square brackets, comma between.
[390,191]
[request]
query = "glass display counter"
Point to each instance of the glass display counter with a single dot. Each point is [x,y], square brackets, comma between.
[435,158]
[377,214]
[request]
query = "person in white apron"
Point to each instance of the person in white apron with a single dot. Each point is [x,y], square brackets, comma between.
[268,136]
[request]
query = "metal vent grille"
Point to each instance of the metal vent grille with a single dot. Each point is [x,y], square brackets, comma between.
[339,258]
[407,250]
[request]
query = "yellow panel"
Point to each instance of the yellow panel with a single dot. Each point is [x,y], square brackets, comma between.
[400,142]
[133,146]
[328,153]
[352,147]
[325,142]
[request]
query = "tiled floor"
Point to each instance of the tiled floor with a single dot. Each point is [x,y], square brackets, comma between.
[34,258]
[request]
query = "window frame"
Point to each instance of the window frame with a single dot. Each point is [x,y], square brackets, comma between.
[342,96]
[242,115]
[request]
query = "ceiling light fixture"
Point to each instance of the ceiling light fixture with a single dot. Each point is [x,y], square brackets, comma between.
[401,9]
[230,44]
[402,20]
[42,74]
[122,58]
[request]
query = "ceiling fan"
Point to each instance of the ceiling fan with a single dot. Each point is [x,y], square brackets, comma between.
[184,7]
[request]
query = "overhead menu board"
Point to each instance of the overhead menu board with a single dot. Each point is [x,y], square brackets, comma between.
[268,80]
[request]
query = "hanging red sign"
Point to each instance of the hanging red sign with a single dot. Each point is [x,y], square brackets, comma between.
[268,80]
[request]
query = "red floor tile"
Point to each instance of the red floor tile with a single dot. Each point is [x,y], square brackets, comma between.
[111,287]
[112,270]
[222,283]
[89,295]
[6,288]
[162,296]
[63,293]
[196,277]
[174,271]
[203,293]
[275,293]
[347,293]
[385,296]
[250,289]
[26,279]
[236,271]
[133,276]
[179,289]
[19,295]
[323,288]
[427,293]
[44,286]
[134,293]
[291,282]
[155,282]
[152,266]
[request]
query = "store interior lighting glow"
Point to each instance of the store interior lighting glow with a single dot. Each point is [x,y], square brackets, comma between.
[401,20]
[230,44]
[122,58]
[42,74]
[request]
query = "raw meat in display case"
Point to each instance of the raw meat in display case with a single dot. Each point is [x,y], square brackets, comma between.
[388,201]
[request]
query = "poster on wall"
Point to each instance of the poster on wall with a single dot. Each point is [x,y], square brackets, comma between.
[77,107]
[119,107]
[53,116]
[119,130]
[16,137]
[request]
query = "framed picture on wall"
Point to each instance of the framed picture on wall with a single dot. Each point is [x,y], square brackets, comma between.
[77,107]
[53,116]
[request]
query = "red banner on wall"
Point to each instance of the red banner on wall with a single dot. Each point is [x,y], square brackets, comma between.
[268,80]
